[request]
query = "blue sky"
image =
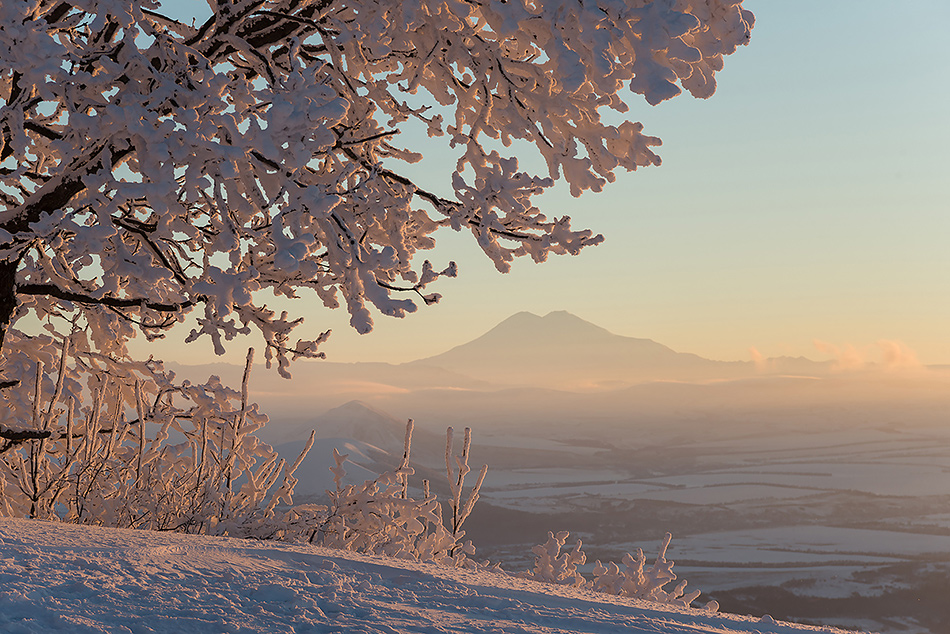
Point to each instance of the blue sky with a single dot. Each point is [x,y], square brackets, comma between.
[806,200]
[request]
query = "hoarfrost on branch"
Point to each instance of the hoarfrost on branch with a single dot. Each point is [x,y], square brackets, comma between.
[150,168]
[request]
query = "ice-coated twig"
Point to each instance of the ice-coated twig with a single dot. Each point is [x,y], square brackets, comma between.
[404,469]
[337,470]
[286,490]
[140,410]
[456,479]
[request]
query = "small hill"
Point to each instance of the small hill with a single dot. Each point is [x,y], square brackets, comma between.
[356,420]
[361,422]
[373,439]
[364,462]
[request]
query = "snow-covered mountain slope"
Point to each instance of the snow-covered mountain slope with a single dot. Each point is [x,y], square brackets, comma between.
[364,462]
[562,350]
[358,421]
[66,578]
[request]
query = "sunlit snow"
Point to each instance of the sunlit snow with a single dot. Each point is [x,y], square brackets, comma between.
[64,578]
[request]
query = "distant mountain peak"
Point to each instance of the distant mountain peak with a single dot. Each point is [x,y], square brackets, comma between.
[527,315]
[558,323]
[358,406]
[562,349]
[519,317]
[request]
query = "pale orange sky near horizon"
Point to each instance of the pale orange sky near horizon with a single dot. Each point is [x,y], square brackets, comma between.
[803,203]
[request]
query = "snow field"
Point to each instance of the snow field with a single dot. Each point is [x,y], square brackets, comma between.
[66,578]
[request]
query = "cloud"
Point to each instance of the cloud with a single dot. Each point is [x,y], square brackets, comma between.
[761,363]
[897,356]
[845,357]
[884,354]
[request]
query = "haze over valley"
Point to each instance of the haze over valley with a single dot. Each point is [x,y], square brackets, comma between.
[804,489]
[534,366]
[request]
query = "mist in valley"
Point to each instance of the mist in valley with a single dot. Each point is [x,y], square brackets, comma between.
[813,491]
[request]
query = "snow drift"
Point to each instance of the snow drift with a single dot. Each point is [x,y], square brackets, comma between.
[81,579]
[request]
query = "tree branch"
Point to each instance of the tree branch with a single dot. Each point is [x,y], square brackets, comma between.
[51,196]
[143,229]
[437,201]
[413,289]
[24,434]
[51,290]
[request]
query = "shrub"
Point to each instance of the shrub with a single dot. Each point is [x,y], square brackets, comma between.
[553,566]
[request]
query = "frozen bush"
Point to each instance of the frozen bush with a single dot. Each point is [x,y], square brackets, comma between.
[552,566]
[144,452]
[378,517]
[636,581]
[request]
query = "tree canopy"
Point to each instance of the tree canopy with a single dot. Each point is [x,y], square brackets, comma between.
[151,168]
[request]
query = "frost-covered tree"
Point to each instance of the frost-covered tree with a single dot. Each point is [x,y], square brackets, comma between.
[152,167]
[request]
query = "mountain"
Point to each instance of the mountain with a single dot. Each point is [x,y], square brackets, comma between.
[559,351]
[372,439]
[362,423]
[364,462]
[355,420]
[562,350]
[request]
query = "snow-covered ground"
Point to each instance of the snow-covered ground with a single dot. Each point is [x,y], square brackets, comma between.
[831,524]
[66,578]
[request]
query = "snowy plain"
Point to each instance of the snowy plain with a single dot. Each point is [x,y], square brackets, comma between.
[78,579]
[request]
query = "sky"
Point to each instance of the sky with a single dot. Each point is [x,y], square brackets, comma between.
[802,209]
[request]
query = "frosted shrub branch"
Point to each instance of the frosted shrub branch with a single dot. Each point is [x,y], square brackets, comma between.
[99,465]
[551,565]
[456,480]
[380,517]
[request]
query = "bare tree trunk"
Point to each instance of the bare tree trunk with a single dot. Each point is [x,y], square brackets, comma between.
[7,294]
